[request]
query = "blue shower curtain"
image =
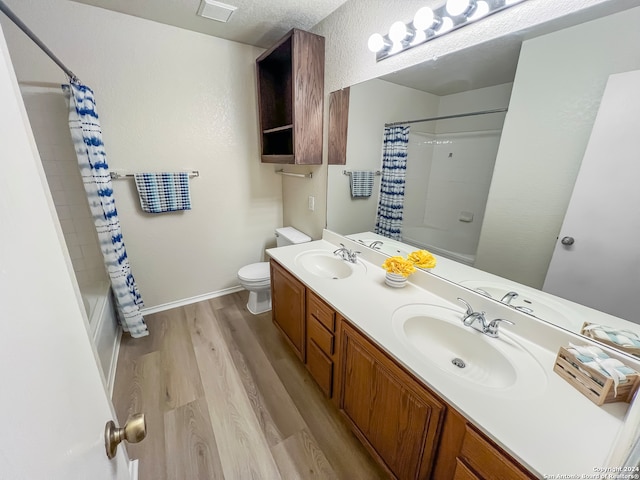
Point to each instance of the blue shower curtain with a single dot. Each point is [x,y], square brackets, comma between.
[394,167]
[86,134]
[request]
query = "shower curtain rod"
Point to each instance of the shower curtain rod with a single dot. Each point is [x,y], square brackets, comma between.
[20,24]
[446,117]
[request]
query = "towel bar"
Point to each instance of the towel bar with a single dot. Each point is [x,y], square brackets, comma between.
[376,173]
[301,175]
[117,175]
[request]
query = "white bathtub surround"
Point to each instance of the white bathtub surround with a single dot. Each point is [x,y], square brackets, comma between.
[448,180]
[505,415]
[439,242]
[103,327]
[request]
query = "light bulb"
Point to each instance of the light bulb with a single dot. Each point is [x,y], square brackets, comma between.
[419,38]
[376,43]
[395,48]
[398,32]
[459,7]
[424,19]
[482,8]
[445,26]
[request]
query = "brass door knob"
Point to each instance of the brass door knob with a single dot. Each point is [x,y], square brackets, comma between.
[133,431]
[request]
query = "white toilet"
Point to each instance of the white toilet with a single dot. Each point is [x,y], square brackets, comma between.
[256,277]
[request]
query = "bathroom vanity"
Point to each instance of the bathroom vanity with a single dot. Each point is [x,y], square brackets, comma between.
[508,416]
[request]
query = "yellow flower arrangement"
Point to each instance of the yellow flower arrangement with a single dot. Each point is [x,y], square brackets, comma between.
[422,259]
[406,266]
[399,266]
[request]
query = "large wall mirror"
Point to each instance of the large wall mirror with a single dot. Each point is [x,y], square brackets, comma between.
[489,192]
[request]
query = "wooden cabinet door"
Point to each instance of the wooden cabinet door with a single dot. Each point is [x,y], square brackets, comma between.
[394,415]
[463,472]
[288,313]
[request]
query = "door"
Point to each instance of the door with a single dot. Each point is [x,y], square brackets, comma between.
[53,401]
[601,268]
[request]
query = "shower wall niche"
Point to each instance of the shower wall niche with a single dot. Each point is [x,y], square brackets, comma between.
[47,110]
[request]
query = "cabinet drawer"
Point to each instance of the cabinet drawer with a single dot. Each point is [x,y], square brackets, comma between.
[487,460]
[320,367]
[321,311]
[323,338]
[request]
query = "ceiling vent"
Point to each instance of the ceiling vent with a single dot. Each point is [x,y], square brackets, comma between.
[216,10]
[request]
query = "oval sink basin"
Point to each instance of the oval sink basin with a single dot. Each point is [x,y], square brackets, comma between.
[529,301]
[327,265]
[437,335]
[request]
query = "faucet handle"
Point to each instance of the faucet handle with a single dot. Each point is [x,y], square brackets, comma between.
[466,304]
[492,327]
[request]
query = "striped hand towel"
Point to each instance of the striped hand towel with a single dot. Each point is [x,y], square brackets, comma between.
[361,184]
[163,192]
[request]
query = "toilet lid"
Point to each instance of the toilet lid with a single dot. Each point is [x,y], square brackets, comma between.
[255,271]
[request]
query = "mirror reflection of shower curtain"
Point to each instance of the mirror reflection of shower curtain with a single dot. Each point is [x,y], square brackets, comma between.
[86,134]
[392,184]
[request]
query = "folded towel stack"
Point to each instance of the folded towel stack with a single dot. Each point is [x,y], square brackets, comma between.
[600,361]
[163,192]
[361,184]
[623,338]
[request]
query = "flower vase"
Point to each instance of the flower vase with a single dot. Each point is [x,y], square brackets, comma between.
[395,280]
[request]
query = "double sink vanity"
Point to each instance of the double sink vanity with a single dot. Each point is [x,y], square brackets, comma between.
[429,396]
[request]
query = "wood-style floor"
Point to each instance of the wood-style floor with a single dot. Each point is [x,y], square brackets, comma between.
[226,398]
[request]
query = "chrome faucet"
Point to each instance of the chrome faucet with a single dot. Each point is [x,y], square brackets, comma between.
[346,254]
[376,245]
[490,329]
[506,299]
[470,317]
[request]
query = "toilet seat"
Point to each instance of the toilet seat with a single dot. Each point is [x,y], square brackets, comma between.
[255,273]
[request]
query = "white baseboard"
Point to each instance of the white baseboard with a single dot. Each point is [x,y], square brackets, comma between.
[133,469]
[190,300]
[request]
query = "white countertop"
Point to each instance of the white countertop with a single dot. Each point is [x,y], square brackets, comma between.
[554,430]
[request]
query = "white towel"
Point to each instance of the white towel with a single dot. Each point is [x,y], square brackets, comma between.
[361,184]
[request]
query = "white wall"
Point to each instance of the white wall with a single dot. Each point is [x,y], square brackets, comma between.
[559,82]
[478,100]
[169,100]
[371,105]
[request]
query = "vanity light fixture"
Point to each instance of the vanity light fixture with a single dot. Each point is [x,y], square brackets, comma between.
[429,23]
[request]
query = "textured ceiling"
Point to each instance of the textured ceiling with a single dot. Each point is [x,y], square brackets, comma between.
[263,22]
[255,22]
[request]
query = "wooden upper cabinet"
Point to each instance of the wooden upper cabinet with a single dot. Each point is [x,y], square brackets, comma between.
[291,99]
[338,126]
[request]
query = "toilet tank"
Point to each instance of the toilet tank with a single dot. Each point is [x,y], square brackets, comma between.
[290,236]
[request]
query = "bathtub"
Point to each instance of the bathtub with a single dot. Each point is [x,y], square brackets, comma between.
[427,238]
[103,327]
